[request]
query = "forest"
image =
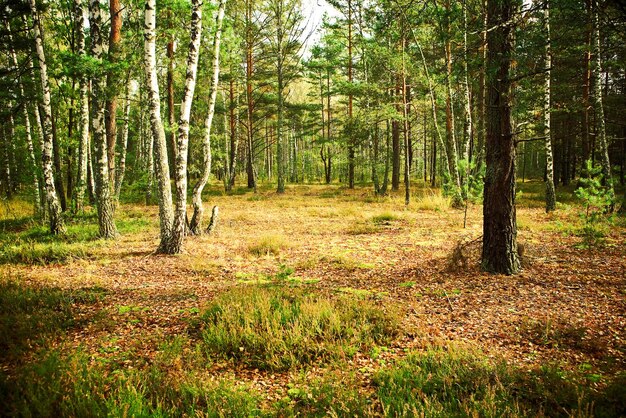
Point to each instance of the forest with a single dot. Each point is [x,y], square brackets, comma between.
[286,208]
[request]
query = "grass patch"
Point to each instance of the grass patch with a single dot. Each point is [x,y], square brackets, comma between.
[30,315]
[432,200]
[278,329]
[60,385]
[460,383]
[384,218]
[268,245]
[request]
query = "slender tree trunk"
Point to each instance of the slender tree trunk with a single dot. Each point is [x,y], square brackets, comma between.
[598,105]
[121,169]
[171,113]
[395,142]
[451,142]
[83,142]
[433,104]
[54,208]
[115,37]
[586,89]
[350,102]
[405,118]
[250,120]
[166,214]
[469,128]
[234,138]
[196,220]
[550,193]
[104,200]
[6,163]
[499,252]
[38,208]
[56,161]
[482,95]
[180,214]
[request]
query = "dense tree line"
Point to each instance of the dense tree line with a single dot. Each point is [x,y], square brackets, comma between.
[101,100]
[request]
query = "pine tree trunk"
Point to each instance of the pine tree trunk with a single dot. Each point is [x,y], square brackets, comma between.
[499,252]
[166,214]
[180,213]
[550,193]
[54,208]
[104,201]
[250,120]
[83,144]
[198,210]
[469,129]
[350,104]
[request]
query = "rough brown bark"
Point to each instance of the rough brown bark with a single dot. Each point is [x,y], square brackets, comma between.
[499,251]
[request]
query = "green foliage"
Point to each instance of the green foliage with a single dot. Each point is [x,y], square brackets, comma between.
[460,383]
[597,203]
[279,329]
[71,385]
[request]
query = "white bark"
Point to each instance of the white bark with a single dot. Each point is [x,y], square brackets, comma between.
[166,214]
[121,169]
[550,193]
[38,208]
[98,86]
[198,209]
[83,143]
[54,208]
[180,214]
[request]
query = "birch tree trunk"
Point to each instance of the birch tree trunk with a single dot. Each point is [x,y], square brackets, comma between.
[180,215]
[198,210]
[81,185]
[121,169]
[550,193]
[598,105]
[38,208]
[104,202]
[166,214]
[54,208]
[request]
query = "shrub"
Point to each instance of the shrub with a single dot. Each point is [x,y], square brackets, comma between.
[278,329]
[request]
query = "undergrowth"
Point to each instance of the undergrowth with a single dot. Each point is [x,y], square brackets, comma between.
[278,329]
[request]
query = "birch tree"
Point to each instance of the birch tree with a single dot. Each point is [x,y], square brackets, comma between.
[198,210]
[38,208]
[161,167]
[83,144]
[180,215]
[54,208]
[550,193]
[104,201]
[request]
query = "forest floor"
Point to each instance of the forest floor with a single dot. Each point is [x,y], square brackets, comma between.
[550,340]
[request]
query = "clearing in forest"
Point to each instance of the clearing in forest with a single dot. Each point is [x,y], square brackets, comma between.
[321,301]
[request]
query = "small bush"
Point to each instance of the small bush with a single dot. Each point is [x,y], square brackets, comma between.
[273,329]
[432,200]
[384,218]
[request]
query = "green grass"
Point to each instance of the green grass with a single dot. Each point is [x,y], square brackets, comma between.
[71,385]
[278,329]
[455,382]
[28,316]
